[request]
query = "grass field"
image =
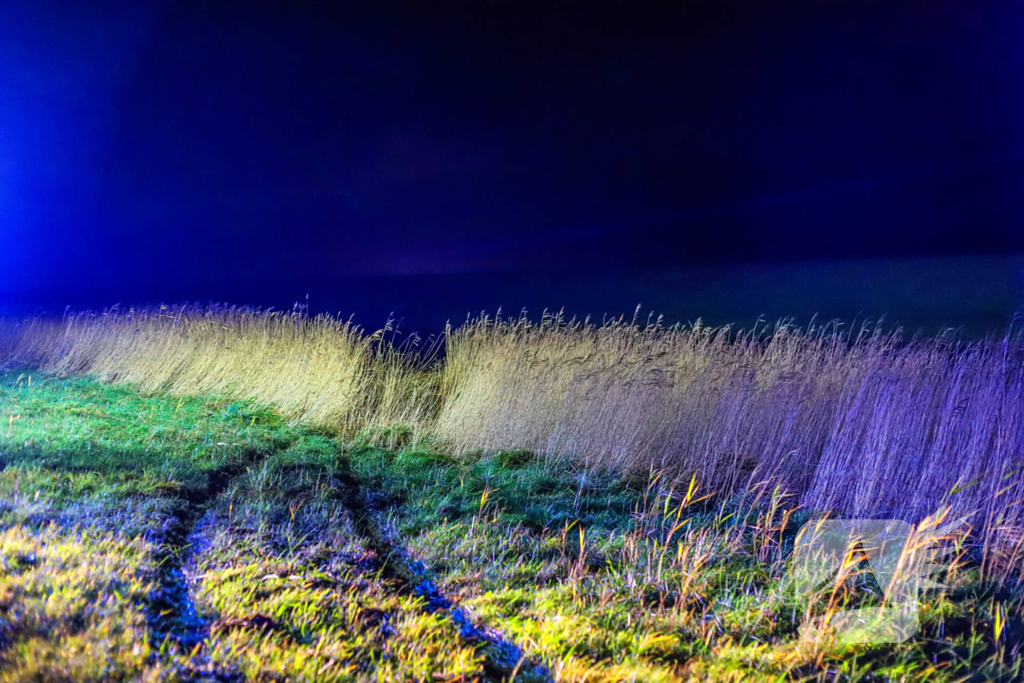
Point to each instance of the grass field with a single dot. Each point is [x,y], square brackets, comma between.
[175,507]
[160,538]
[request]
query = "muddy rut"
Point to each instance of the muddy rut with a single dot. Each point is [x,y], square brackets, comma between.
[177,624]
[171,613]
[503,658]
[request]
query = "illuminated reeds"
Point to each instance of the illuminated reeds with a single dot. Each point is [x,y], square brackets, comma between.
[861,422]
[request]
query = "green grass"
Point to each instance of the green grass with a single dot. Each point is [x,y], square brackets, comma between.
[94,475]
[144,537]
[581,567]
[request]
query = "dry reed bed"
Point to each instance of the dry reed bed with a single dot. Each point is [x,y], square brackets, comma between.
[319,370]
[863,423]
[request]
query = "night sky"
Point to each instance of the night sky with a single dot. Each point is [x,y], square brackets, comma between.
[187,148]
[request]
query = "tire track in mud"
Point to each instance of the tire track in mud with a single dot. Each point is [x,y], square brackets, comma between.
[503,659]
[171,613]
[173,617]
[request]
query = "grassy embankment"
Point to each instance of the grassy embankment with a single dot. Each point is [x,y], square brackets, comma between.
[331,517]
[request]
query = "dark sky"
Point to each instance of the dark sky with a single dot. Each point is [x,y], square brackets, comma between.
[185,142]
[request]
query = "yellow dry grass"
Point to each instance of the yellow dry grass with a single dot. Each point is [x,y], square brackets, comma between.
[861,421]
[319,370]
